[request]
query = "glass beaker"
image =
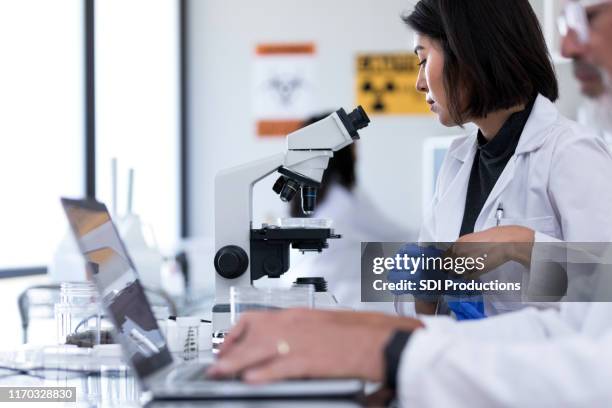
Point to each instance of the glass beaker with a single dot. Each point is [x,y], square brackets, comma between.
[243,299]
[78,315]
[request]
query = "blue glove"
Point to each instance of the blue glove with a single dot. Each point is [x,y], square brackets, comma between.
[470,305]
[464,310]
[396,276]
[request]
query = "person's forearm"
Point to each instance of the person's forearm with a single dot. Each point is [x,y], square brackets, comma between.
[520,244]
[373,320]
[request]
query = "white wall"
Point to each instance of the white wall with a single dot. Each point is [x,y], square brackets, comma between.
[223,35]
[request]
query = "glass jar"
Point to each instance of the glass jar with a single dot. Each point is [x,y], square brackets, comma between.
[78,315]
[248,298]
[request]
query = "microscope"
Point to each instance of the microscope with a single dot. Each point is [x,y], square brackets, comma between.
[244,254]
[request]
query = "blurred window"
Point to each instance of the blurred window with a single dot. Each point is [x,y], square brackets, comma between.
[41,126]
[137,109]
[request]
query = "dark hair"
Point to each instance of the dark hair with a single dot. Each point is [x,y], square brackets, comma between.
[494,49]
[341,170]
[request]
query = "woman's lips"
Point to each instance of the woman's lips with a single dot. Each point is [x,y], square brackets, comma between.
[432,105]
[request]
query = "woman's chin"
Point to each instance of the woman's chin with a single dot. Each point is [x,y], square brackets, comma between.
[445,120]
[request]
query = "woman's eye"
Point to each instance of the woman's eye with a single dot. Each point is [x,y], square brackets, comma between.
[422,63]
[591,16]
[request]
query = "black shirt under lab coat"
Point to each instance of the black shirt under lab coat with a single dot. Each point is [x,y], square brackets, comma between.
[490,161]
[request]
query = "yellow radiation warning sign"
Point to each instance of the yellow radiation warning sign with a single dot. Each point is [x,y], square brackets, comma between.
[386,84]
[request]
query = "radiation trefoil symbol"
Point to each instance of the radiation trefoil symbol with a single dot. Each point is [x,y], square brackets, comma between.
[378,105]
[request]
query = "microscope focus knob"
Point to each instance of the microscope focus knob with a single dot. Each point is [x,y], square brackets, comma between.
[231,262]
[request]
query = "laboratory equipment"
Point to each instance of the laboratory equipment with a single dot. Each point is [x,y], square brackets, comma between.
[189,337]
[145,252]
[67,263]
[322,299]
[244,253]
[78,315]
[37,303]
[161,377]
[247,298]
[145,255]
[303,223]
[179,337]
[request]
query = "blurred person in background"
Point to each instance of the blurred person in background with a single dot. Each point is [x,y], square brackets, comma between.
[599,15]
[594,80]
[356,218]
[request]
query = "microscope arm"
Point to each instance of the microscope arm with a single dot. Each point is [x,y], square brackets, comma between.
[233,214]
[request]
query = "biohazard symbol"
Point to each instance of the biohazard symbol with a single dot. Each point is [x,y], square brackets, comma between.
[285,88]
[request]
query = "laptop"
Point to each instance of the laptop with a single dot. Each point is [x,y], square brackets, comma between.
[143,345]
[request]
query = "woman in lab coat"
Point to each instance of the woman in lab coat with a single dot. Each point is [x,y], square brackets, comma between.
[526,175]
[529,358]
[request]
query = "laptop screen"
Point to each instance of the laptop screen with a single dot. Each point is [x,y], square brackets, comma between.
[123,297]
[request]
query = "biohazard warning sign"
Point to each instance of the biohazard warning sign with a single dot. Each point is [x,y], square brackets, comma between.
[283,87]
[386,84]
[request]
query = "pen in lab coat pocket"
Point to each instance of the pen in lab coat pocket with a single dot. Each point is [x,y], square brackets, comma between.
[499,214]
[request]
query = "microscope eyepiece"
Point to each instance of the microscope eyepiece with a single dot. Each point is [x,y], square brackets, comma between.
[309,199]
[359,118]
[354,121]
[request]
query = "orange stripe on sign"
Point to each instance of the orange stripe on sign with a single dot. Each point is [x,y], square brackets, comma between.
[274,49]
[278,127]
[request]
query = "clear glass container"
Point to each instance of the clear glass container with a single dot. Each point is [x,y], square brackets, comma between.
[312,223]
[243,299]
[78,315]
[249,298]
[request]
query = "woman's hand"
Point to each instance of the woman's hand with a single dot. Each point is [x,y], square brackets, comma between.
[301,343]
[500,244]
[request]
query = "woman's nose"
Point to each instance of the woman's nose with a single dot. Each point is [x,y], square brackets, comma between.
[421,84]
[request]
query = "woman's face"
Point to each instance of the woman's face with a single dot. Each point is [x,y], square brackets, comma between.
[430,80]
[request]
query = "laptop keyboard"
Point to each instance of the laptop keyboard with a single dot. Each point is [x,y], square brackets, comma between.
[196,374]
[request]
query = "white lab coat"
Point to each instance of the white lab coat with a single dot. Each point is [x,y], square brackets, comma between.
[558,183]
[529,358]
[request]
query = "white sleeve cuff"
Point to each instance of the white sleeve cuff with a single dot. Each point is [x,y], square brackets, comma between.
[419,355]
